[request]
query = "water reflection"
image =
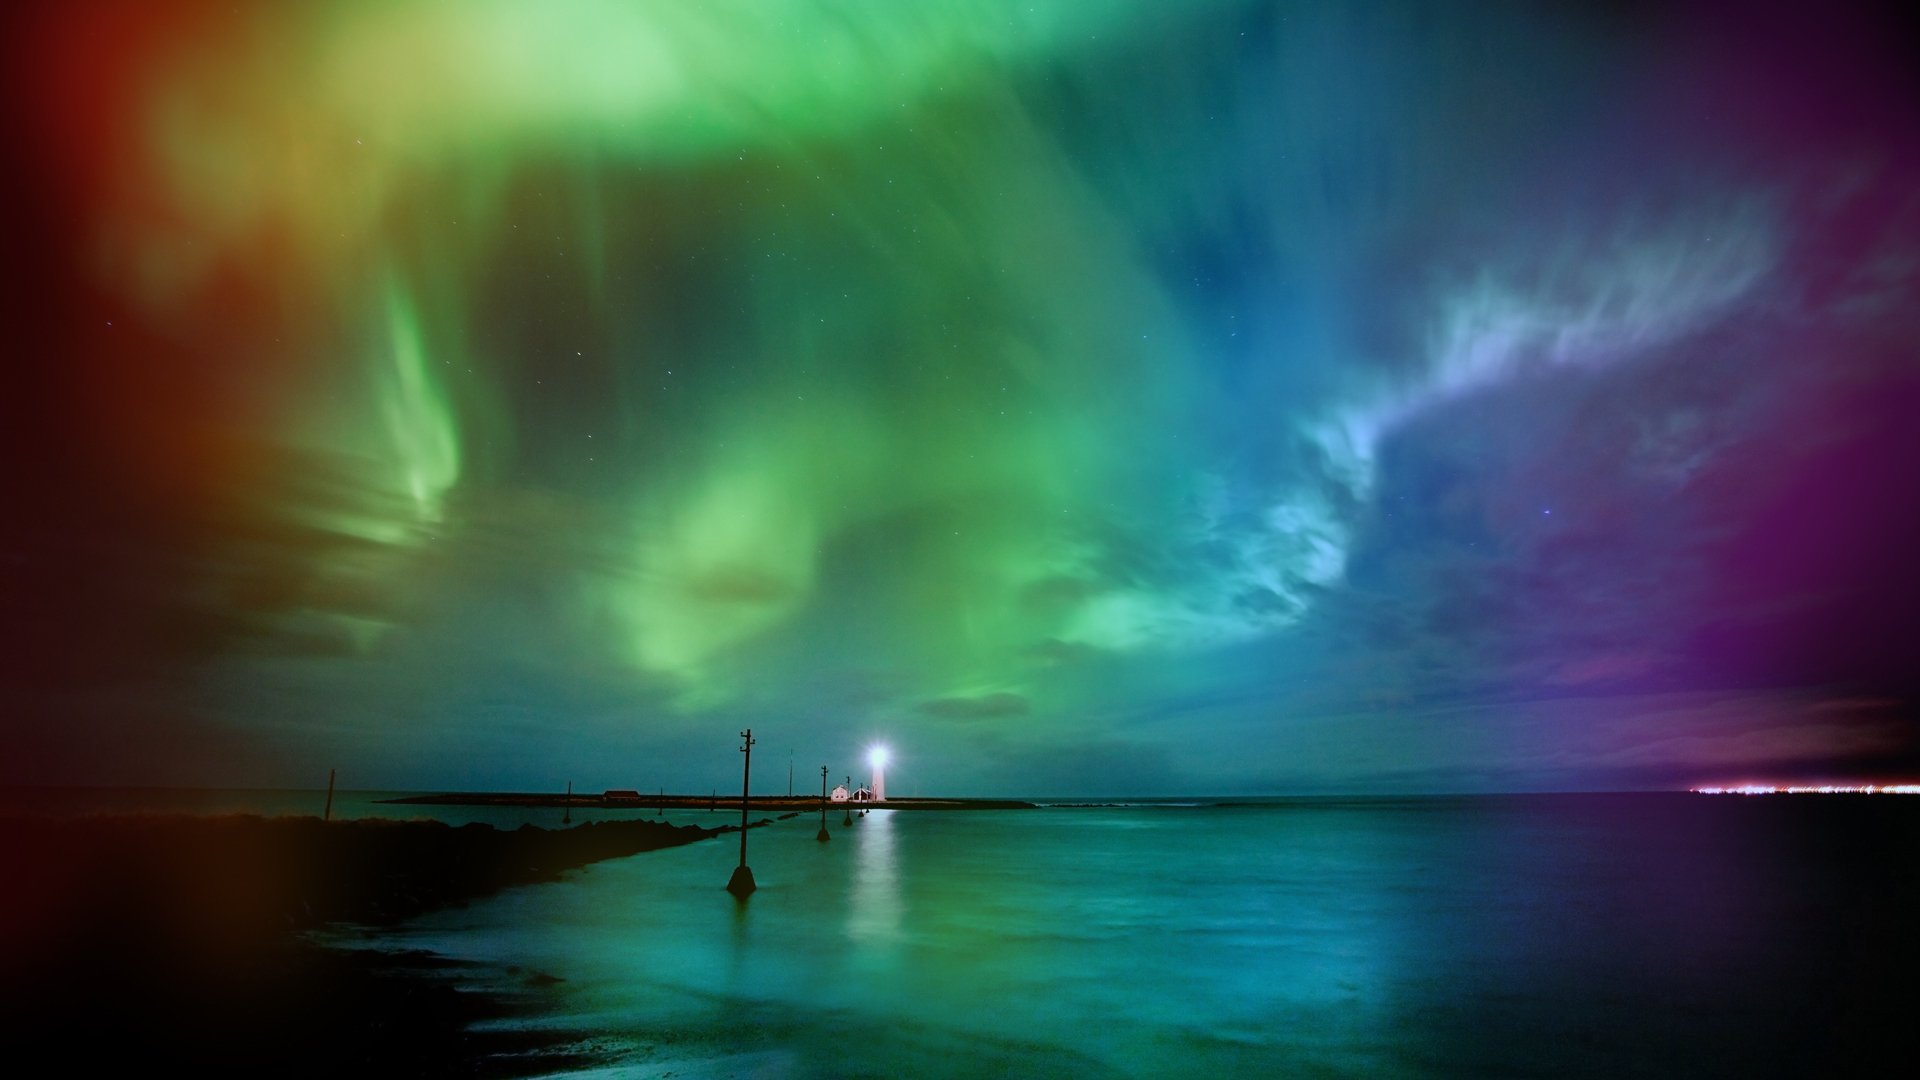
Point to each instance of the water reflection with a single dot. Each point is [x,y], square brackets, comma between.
[1410,938]
[874,905]
[739,946]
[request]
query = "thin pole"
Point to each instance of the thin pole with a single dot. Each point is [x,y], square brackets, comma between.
[746,773]
[567,818]
[823,804]
[742,881]
[328,814]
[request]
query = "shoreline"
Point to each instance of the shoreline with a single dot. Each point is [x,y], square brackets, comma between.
[645,801]
[139,941]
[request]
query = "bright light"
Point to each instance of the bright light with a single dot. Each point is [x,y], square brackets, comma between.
[877,757]
[1811,789]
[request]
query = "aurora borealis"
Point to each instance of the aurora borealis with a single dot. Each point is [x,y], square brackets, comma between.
[1087,396]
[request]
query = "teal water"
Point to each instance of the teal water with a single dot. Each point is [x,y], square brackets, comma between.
[1495,936]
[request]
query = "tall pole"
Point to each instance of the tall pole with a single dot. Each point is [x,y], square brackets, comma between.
[742,881]
[328,814]
[823,804]
[746,776]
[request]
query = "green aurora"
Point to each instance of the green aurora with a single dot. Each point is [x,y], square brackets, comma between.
[1030,384]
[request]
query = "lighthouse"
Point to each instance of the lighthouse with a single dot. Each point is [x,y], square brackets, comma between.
[877,758]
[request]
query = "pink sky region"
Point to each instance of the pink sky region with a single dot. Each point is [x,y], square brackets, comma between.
[1112,398]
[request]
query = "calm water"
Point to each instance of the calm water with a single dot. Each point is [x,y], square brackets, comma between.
[1518,936]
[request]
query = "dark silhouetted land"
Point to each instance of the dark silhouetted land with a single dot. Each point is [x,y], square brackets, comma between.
[147,942]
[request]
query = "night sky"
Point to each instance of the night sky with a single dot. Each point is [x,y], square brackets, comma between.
[1084,397]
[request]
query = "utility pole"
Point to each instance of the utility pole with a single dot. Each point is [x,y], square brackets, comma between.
[327,815]
[823,804]
[789,774]
[742,881]
[567,817]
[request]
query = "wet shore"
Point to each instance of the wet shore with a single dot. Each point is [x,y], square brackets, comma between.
[150,941]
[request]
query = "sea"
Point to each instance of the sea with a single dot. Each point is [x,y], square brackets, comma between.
[1659,935]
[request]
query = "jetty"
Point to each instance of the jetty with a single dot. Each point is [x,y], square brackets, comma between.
[628,799]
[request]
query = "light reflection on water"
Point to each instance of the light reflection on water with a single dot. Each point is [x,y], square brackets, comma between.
[1435,937]
[873,905]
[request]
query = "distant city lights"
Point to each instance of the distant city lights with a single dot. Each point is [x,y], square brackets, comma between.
[1811,789]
